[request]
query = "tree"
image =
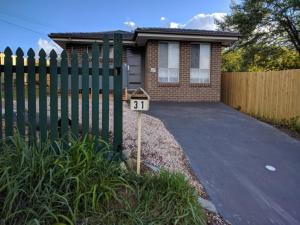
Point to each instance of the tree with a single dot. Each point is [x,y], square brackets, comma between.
[260,59]
[265,23]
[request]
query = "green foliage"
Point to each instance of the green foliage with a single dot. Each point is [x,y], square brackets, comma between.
[265,22]
[52,185]
[292,123]
[270,35]
[259,58]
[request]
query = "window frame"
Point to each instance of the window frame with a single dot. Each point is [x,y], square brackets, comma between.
[199,82]
[168,68]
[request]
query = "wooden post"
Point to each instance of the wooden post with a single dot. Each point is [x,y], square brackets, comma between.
[118,105]
[139,137]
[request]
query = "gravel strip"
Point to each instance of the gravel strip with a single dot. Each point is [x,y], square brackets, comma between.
[159,147]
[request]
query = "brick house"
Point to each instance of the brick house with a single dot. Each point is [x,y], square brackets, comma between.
[170,64]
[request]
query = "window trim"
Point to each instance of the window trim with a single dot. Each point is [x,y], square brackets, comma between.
[168,83]
[210,60]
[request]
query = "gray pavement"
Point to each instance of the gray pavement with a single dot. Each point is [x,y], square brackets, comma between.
[229,152]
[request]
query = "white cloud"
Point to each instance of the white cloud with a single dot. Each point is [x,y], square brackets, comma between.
[200,21]
[175,25]
[130,24]
[48,46]
[162,18]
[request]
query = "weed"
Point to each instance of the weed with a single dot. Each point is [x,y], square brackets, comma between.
[76,185]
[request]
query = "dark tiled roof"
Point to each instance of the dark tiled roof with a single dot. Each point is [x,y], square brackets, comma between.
[185,31]
[131,35]
[92,35]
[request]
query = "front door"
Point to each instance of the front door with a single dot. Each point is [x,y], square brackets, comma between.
[134,62]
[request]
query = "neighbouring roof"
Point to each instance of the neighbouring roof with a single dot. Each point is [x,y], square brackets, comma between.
[140,35]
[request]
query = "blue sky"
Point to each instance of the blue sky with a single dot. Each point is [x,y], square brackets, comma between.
[27,23]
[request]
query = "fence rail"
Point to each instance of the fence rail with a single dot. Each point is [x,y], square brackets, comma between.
[273,95]
[20,109]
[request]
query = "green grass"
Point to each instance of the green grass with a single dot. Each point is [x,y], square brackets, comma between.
[292,123]
[51,185]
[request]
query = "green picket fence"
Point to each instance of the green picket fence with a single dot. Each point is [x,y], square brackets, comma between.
[32,123]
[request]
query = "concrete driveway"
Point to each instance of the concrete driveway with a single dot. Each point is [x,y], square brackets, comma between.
[229,151]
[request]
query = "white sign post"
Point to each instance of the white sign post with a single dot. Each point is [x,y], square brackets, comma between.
[139,102]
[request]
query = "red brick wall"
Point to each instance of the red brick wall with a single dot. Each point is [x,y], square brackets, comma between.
[183,91]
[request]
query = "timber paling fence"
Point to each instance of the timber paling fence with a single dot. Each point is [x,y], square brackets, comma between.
[273,95]
[28,118]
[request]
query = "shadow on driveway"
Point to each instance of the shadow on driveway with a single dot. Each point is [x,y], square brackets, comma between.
[228,151]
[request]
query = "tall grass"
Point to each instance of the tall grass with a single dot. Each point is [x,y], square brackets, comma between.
[52,185]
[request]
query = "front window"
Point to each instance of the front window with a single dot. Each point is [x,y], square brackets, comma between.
[168,71]
[200,63]
[111,52]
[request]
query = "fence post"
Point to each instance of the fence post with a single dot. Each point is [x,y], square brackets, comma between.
[74,90]
[95,93]
[20,92]
[31,96]
[8,92]
[42,96]
[118,109]
[64,76]
[105,86]
[1,63]
[53,96]
[85,94]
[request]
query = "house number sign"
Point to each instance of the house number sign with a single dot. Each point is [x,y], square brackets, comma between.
[139,102]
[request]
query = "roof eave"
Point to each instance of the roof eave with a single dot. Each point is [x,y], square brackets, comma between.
[63,40]
[142,38]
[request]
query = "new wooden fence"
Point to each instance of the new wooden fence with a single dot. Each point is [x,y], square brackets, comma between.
[273,95]
[21,112]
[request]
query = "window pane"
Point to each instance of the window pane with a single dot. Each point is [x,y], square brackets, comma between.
[204,56]
[111,52]
[173,56]
[173,75]
[194,76]
[163,75]
[100,51]
[204,76]
[195,50]
[89,51]
[163,55]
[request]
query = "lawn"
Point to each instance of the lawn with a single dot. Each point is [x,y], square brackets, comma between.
[52,184]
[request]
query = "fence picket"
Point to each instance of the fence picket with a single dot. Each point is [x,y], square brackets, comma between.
[20,92]
[1,100]
[51,70]
[118,109]
[64,96]
[273,94]
[74,89]
[31,95]
[105,92]
[8,92]
[85,94]
[42,96]
[95,91]
[53,96]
